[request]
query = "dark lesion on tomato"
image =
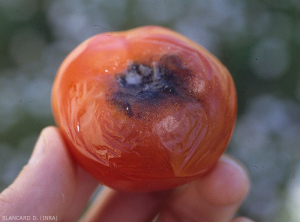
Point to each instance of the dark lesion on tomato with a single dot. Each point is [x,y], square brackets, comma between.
[146,85]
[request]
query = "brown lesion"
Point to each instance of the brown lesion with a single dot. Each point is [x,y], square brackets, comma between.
[156,83]
[121,101]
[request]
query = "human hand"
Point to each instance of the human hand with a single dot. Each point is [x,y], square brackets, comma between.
[53,185]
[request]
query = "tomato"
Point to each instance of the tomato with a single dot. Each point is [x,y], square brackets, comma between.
[145,109]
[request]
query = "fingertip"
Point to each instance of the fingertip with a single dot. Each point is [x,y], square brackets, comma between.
[238,166]
[228,183]
[41,144]
[242,219]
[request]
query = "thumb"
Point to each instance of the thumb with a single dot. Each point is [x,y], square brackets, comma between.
[46,185]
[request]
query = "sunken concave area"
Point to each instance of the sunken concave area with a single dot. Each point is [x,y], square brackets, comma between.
[145,109]
[144,86]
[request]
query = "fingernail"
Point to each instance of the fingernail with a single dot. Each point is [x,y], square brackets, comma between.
[38,151]
[237,165]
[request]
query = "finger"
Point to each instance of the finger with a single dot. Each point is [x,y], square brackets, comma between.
[114,206]
[47,185]
[215,197]
[241,219]
[86,185]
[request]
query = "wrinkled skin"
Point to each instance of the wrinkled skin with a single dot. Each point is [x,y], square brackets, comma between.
[138,134]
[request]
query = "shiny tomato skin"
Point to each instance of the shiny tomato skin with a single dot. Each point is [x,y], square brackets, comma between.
[148,136]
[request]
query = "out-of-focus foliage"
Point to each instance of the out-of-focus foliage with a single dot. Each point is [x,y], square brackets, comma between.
[258,40]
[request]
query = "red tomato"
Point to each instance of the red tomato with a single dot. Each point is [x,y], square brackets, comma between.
[145,109]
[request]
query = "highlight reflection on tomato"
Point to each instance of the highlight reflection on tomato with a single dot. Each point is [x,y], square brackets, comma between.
[145,109]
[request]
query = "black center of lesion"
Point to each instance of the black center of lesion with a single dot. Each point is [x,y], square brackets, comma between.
[146,85]
[144,80]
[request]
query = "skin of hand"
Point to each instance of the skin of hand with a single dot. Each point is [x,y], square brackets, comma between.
[52,184]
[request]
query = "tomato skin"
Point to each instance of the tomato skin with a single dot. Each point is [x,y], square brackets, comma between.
[133,139]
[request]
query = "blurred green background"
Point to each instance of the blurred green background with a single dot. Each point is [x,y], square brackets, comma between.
[258,40]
